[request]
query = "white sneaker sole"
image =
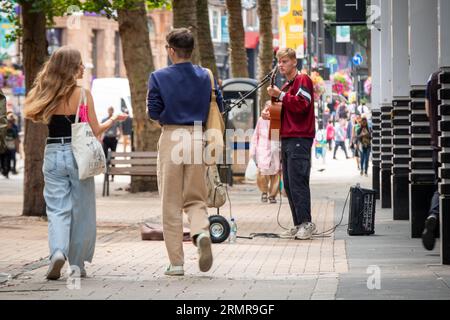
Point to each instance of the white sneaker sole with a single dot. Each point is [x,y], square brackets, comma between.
[303,237]
[54,272]
[205,257]
[174,273]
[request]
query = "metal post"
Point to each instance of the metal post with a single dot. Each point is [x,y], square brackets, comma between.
[444,112]
[424,61]
[321,51]
[386,105]
[375,105]
[309,30]
[400,113]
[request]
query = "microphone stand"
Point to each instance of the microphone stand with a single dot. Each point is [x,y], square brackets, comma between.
[228,106]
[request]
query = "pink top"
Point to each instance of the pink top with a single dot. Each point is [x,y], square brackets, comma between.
[84,116]
[330,132]
[267,152]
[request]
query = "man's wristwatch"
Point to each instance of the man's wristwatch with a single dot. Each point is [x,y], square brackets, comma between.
[281,96]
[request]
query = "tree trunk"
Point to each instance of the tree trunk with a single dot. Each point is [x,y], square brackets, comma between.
[185,16]
[205,44]
[34,56]
[239,65]
[137,56]
[265,56]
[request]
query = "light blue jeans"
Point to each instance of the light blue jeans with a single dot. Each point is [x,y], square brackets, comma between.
[70,206]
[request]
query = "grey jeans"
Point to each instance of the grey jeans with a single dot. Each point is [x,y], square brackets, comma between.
[70,206]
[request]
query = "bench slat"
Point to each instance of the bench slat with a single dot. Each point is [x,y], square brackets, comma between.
[135,154]
[141,161]
[151,171]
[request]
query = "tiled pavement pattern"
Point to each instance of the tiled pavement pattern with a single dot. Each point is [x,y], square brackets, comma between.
[124,266]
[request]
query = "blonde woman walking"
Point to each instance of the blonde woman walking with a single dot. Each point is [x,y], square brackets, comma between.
[54,100]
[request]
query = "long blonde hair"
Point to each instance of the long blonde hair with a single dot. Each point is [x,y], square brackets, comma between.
[54,84]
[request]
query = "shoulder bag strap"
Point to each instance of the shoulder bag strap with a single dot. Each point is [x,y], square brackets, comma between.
[213,87]
[82,99]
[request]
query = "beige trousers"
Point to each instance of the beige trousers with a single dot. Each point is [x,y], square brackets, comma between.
[182,187]
[268,184]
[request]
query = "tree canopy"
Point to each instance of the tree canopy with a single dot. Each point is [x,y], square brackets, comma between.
[59,8]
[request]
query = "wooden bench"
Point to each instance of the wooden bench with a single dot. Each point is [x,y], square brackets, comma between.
[129,164]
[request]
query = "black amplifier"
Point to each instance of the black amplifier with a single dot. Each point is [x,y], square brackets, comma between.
[361,217]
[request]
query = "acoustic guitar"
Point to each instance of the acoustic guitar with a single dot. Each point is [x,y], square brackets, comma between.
[275,112]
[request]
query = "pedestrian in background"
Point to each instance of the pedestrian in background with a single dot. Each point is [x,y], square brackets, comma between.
[266,154]
[364,134]
[13,141]
[127,129]
[339,139]
[330,134]
[8,157]
[342,111]
[112,135]
[320,143]
[3,129]
[354,141]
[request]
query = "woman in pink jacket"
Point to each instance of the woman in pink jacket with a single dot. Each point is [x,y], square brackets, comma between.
[330,134]
[266,154]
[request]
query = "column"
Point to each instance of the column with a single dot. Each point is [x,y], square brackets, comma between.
[375,97]
[423,62]
[444,127]
[400,112]
[386,104]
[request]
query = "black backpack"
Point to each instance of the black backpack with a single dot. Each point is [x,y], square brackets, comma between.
[3,122]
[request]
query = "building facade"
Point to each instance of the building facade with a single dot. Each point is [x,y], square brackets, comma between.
[98,40]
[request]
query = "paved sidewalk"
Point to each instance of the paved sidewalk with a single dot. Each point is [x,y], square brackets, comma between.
[125,267]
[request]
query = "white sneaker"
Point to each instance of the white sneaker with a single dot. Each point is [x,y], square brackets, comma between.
[174,271]
[290,233]
[56,263]
[305,231]
[205,258]
[73,272]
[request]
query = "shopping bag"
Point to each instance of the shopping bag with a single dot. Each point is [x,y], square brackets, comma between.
[86,148]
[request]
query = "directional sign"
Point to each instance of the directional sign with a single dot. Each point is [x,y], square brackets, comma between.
[351,11]
[357,59]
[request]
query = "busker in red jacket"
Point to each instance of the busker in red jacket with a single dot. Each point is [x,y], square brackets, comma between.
[297,134]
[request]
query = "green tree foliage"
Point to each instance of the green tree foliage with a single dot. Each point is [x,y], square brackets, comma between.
[59,8]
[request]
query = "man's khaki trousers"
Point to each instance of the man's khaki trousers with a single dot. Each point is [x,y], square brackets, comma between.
[182,187]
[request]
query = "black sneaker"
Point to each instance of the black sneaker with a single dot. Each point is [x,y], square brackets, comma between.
[264,197]
[428,239]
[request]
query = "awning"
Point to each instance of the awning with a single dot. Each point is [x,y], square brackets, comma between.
[251,39]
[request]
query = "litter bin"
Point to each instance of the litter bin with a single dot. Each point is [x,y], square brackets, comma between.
[240,119]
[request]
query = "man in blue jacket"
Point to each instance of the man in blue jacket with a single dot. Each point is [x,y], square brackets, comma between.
[179,97]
